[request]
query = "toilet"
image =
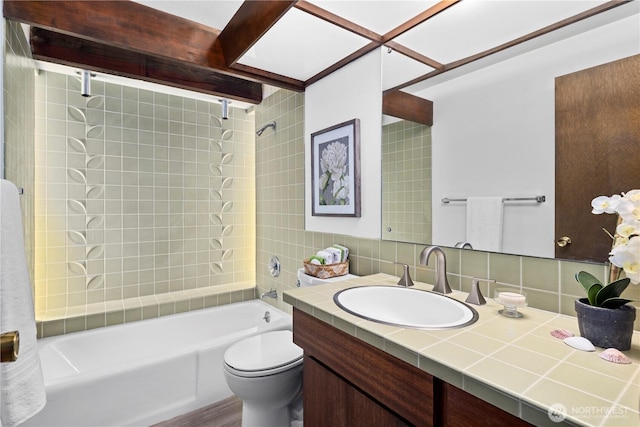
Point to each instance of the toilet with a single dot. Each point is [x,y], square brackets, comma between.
[265,372]
[305,280]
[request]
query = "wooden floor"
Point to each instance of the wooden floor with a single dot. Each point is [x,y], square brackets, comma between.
[226,413]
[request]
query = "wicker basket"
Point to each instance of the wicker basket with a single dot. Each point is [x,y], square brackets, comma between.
[326,271]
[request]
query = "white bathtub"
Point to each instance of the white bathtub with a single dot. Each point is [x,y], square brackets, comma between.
[140,373]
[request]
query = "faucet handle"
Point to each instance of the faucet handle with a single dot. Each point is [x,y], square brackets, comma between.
[405,280]
[475,296]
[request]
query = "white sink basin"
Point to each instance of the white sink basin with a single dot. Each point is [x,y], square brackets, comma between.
[405,307]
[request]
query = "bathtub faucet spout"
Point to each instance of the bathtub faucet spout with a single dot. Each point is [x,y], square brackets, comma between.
[271,294]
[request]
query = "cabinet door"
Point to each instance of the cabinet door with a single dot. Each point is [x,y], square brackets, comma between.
[462,409]
[390,382]
[331,401]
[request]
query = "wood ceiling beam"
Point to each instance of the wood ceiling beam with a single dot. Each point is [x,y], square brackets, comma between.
[376,39]
[271,78]
[345,24]
[345,61]
[116,24]
[119,24]
[318,12]
[252,20]
[408,107]
[63,49]
[414,55]
[546,30]
[418,19]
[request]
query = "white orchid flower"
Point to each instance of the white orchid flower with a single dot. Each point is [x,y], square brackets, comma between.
[626,229]
[604,204]
[630,212]
[633,196]
[627,257]
[625,253]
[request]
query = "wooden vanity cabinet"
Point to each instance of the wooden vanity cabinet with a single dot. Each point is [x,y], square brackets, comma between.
[349,383]
[461,409]
[332,401]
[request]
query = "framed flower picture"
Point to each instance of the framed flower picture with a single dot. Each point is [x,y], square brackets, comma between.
[335,170]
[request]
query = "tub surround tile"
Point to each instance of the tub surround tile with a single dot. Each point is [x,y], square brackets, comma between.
[514,364]
[74,319]
[123,198]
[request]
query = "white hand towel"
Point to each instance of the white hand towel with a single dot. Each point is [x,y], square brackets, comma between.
[484,223]
[21,382]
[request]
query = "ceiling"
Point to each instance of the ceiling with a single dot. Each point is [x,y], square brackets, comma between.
[231,48]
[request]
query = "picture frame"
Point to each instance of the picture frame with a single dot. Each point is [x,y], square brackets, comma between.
[335,170]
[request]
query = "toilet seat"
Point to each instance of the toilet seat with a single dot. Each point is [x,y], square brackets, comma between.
[261,355]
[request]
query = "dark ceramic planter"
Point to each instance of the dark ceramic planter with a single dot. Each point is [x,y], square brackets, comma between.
[606,327]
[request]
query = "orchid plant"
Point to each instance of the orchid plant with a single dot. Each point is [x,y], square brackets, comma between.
[625,250]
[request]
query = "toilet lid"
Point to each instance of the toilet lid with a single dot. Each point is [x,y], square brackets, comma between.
[263,352]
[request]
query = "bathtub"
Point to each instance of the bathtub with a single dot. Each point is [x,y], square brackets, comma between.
[140,373]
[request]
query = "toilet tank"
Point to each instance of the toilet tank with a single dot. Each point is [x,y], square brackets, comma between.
[305,280]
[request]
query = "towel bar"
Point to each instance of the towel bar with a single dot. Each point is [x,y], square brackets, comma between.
[9,346]
[538,199]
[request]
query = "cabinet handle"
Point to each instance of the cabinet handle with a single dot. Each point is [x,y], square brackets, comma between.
[563,241]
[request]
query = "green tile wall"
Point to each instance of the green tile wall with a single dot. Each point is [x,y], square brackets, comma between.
[19,107]
[138,193]
[406,182]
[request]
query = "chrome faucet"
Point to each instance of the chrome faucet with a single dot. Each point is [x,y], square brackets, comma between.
[271,294]
[442,284]
[463,245]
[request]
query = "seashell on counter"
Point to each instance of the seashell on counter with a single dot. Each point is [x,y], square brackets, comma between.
[562,333]
[579,343]
[615,356]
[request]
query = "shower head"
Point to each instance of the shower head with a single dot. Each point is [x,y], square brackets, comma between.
[263,128]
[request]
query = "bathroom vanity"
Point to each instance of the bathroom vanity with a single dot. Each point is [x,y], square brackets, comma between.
[364,386]
[496,372]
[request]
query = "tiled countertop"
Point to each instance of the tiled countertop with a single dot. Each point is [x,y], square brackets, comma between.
[515,364]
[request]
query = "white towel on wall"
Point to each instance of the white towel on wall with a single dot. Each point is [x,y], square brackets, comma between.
[21,382]
[484,223]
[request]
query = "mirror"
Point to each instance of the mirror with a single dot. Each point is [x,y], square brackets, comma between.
[406,181]
[494,135]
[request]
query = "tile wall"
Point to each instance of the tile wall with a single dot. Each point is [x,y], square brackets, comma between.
[406,182]
[19,124]
[549,284]
[139,195]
